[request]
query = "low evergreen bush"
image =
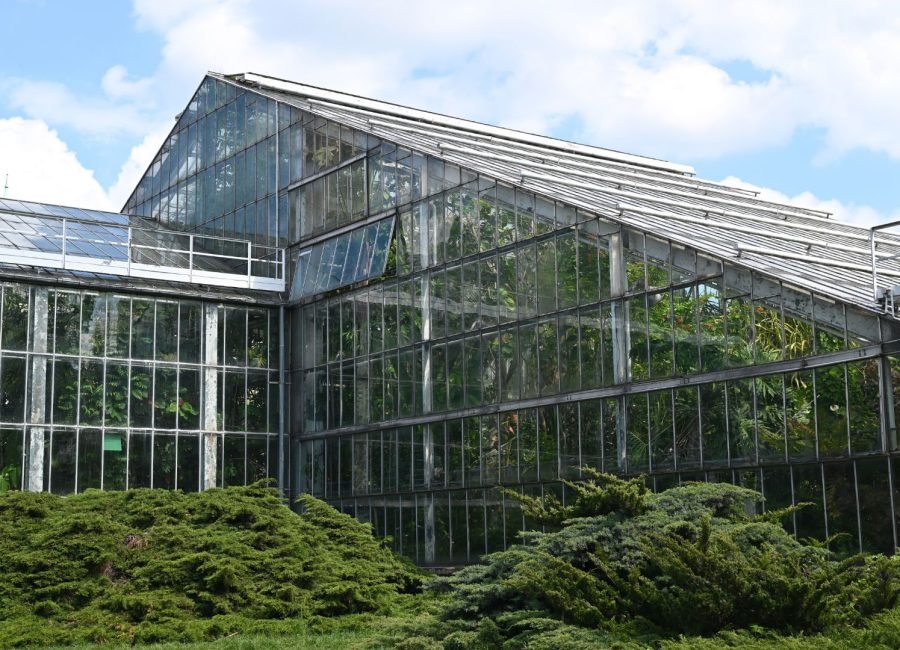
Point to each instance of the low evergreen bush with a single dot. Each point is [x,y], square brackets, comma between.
[151,565]
[623,566]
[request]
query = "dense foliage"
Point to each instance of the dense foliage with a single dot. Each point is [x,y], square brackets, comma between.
[622,563]
[151,565]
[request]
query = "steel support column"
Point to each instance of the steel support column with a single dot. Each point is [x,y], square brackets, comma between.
[210,443]
[37,391]
[620,340]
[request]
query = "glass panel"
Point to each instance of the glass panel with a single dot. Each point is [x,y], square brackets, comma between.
[140,455]
[548,355]
[661,334]
[167,322]
[15,318]
[687,427]
[13,390]
[142,329]
[93,325]
[636,311]
[637,451]
[546,277]
[711,326]
[233,469]
[590,340]
[235,343]
[569,359]
[188,405]
[528,447]
[257,460]
[840,505]
[863,406]
[770,417]
[808,489]
[714,424]
[591,449]
[164,450]
[11,441]
[872,482]
[166,399]
[741,421]
[188,462]
[662,438]
[65,324]
[62,462]
[800,415]
[90,453]
[831,411]
[342,260]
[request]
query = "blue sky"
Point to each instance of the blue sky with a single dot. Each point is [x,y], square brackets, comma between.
[799,99]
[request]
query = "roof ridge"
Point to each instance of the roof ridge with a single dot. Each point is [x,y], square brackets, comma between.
[317,94]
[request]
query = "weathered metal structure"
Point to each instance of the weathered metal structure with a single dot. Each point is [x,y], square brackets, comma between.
[400,312]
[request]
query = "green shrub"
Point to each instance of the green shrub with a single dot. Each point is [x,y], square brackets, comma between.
[150,565]
[621,564]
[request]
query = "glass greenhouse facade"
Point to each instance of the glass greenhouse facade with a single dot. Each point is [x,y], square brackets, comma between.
[449,324]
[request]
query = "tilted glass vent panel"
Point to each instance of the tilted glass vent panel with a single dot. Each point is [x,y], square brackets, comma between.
[352,256]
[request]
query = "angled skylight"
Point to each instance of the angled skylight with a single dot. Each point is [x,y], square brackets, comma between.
[355,255]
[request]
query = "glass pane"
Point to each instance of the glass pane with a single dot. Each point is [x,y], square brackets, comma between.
[15,318]
[142,332]
[189,462]
[863,406]
[64,327]
[62,462]
[164,461]
[167,331]
[13,391]
[90,453]
[140,454]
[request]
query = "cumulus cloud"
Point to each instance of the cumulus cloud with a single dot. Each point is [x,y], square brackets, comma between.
[117,85]
[654,77]
[860,215]
[54,103]
[651,77]
[42,168]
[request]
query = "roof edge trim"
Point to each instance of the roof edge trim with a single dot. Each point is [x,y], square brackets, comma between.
[332,96]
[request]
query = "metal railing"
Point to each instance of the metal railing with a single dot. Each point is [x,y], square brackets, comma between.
[77,245]
[885,296]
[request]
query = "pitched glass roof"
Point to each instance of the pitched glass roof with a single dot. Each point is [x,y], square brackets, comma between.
[807,247]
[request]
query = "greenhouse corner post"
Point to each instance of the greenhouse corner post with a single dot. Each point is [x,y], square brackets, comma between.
[282,458]
[210,397]
[620,323]
[38,391]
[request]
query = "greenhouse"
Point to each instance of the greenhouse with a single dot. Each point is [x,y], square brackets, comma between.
[409,315]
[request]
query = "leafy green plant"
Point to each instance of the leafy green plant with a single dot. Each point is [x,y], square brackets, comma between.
[9,478]
[144,566]
[619,563]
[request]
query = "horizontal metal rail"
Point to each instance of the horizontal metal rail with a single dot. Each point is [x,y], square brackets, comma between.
[145,253]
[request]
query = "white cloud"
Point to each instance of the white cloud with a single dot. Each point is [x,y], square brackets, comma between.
[54,103]
[650,77]
[860,215]
[42,168]
[116,84]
